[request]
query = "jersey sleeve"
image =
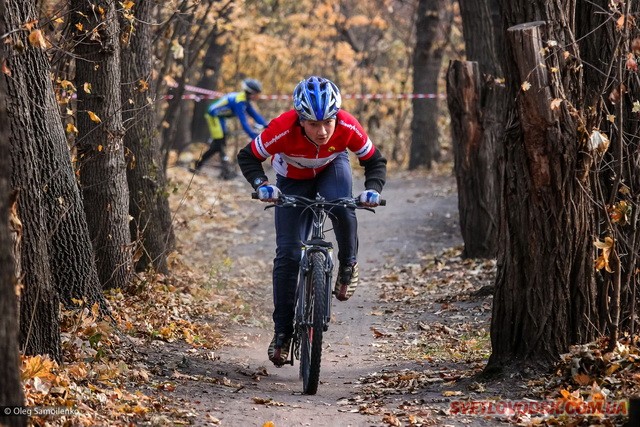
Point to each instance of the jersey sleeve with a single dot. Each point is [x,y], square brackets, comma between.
[375,165]
[239,109]
[258,148]
[255,115]
[251,165]
[359,142]
[273,138]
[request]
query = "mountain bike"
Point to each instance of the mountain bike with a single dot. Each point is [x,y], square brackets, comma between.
[314,290]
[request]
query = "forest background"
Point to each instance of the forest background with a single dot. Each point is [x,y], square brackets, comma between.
[99,97]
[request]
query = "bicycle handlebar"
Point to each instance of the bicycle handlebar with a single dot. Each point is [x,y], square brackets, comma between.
[285,200]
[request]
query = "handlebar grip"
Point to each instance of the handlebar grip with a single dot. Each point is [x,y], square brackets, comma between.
[383,202]
[254,195]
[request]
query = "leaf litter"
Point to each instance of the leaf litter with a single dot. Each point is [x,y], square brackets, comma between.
[436,331]
[433,331]
[112,372]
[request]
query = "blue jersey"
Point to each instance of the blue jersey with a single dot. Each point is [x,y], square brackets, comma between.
[236,104]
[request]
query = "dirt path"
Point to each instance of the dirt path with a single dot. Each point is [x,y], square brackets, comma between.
[246,390]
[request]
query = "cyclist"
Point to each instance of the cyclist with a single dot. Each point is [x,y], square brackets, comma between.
[308,149]
[234,104]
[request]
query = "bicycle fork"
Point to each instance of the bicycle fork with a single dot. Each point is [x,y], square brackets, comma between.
[327,249]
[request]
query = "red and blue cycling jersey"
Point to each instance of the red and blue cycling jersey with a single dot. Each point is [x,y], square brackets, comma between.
[295,156]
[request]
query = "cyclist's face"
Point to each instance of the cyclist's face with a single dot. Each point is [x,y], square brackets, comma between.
[319,131]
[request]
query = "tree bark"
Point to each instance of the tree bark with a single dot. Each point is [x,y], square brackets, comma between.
[545,294]
[47,204]
[475,159]
[482,28]
[175,104]
[620,163]
[151,226]
[209,79]
[485,44]
[11,393]
[70,253]
[100,147]
[432,30]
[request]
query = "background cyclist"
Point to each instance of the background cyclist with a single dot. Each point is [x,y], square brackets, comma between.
[308,149]
[234,104]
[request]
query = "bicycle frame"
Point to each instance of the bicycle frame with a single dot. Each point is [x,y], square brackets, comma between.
[312,315]
[315,243]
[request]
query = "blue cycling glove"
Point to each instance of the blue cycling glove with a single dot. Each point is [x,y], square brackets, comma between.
[369,198]
[268,193]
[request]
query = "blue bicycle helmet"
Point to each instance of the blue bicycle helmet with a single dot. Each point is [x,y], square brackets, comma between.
[316,98]
[251,86]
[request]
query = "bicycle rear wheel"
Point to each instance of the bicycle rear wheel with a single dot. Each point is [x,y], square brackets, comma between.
[313,324]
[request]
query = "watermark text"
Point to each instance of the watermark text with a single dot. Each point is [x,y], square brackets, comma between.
[539,407]
[38,411]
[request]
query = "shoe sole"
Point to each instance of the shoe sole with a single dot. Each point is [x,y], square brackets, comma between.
[279,358]
[343,294]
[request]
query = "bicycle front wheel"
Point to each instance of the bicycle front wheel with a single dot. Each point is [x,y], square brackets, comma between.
[313,323]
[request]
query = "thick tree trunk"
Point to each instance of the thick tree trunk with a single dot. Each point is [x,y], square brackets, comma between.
[209,80]
[10,387]
[475,161]
[182,137]
[47,203]
[484,41]
[151,226]
[174,108]
[545,295]
[433,25]
[485,44]
[100,148]
[70,252]
[620,161]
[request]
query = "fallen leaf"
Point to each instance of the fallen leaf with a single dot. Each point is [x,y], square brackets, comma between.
[38,367]
[582,379]
[392,420]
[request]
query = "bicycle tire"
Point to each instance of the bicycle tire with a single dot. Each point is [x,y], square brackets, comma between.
[313,325]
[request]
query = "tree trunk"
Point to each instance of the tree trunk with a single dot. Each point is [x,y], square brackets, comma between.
[182,137]
[480,178]
[174,109]
[482,28]
[475,161]
[100,135]
[70,253]
[209,80]
[545,294]
[47,202]
[433,25]
[618,168]
[151,226]
[10,387]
